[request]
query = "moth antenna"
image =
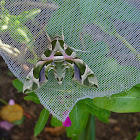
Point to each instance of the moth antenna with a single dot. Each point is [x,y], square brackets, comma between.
[48,37]
[62,34]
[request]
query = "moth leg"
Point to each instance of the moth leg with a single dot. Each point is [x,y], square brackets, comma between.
[76,50]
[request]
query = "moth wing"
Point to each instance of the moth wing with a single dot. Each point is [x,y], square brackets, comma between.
[37,77]
[89,79]
[82,73]
[30,83]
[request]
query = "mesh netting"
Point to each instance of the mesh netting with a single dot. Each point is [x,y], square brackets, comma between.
[106,32]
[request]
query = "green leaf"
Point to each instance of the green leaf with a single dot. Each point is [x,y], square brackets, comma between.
[18,122]
[89,9]
[44,115]
[78,114]
[104,23]
[79,118]
[100,113]
[32,97]
[94,15]
[116,9]
[120,10]
[31,14]
[110,64]
[138,137]
[21,34]
[138,85]
[124,102]
[75,138]
[55,122]
[89,131]
[32,94]
[18,85]
[72,132]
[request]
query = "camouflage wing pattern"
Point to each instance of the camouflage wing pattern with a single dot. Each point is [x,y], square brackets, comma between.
[58,57]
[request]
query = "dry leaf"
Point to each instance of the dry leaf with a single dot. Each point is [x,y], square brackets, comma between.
[56,131]
[11,113]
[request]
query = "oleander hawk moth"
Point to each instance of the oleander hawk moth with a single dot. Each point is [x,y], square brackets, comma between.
[57,57]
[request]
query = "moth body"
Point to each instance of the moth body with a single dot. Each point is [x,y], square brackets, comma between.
[57,57]
[59,70]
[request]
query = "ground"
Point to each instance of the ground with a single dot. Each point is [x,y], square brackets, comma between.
[123,126]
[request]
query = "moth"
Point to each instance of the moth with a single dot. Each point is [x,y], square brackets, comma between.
[58,57]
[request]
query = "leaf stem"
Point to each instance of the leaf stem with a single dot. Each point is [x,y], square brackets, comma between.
[4,102]
[89,131]
[128,45]
[91,128]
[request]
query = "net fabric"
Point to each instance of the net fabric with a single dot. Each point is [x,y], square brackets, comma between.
[107,39]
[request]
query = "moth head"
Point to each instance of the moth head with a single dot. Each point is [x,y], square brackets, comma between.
[56,37]
[57,44]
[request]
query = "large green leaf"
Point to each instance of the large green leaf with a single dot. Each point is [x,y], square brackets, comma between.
[79,116]
[113,71]
[89,9]
[124,102]
[116,9]
[44,115]
[120,10]
[99,13]
[104,23]
[91,13]
[101,114]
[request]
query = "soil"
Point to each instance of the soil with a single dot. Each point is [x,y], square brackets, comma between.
[121,126]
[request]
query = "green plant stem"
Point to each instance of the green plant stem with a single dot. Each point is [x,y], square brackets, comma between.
[128,45]
[4,102]
[89,132]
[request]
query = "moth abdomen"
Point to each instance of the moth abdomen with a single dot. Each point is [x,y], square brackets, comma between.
[59,70]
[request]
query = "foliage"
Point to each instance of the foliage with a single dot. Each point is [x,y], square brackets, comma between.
[15,25]
[124,102]
[44,115]
[138,137]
